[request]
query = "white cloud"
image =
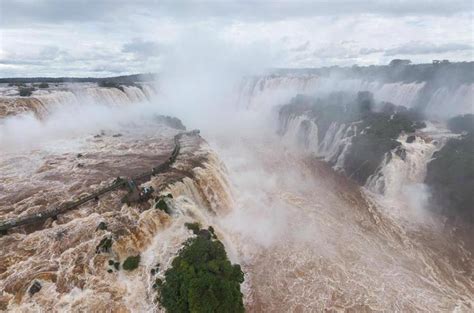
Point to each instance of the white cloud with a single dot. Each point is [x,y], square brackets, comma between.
[420,47]
[100,38]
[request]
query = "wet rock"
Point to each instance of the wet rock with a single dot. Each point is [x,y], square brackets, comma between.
[450,177]
[462,123]
[211,230]
[411,138]
[101,226]
[204,233]
[172,122]
[402,153]
[155,269]
[158,283]
[3,303]
[34,288]
[80,155]
[104,245]
[80,165]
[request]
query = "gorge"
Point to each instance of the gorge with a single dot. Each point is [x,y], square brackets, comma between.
[344,189]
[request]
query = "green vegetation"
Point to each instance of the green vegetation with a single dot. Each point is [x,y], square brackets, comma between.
[450,176]
[162,205]
[43,85]
[131,263]
[26,91]
[201,279]
[109,84]
[194,227]
[376,132]
[462,123]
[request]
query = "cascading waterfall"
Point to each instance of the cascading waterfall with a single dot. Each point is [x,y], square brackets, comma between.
[302,132]
[279,89]
[397,171]
[63,258]
[403,167]
[43,102]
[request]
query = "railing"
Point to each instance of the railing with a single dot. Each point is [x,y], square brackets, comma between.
[118,183]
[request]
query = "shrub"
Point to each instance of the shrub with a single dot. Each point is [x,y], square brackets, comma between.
[202,279]
[109,84]
[25,91]
[131,263]
[43,85]
[195,227]
[161,205]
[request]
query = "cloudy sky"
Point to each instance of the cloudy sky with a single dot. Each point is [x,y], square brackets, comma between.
[115,37]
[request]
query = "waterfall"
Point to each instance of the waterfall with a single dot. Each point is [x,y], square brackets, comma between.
[409,167]
[274,90]
[73,276]
[302,132]
[42,102]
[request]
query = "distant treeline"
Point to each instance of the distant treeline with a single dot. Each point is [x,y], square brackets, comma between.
[444,73]
[126,79]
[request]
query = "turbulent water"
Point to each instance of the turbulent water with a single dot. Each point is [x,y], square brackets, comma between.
[308,238]
[44,101]
[444,101]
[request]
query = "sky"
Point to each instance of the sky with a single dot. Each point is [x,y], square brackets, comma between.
[97,38]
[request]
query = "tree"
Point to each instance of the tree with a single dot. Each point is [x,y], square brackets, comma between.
[398,62]
[202,279]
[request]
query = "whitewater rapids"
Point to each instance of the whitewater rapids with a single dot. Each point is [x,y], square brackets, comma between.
[310,240]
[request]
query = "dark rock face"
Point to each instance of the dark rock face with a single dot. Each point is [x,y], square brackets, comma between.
[450,176]
[102,226]
[34,288]
[104,245]
[375,134]
[411,138]
[402,153]
[204,233]
[170,121]
[462,123]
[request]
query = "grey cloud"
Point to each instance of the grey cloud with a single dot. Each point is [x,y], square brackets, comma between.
[20,62]
[142,49]
[301,48]
[26,12]
[334,51]
[366,51]
[418,47]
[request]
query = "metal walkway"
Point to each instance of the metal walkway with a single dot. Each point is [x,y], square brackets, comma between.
[5,225]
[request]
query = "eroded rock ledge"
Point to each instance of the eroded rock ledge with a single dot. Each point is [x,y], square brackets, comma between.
[74,257]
